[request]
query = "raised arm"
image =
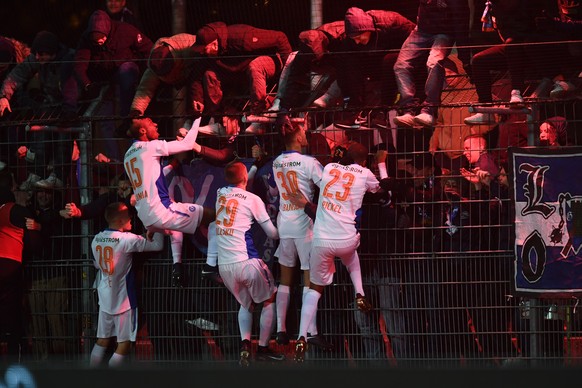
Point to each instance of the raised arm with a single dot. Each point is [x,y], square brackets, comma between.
[176,146]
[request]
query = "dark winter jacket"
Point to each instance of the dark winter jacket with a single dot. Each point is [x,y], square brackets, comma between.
[124,43]
[184,54]
[57,82]
[238,45]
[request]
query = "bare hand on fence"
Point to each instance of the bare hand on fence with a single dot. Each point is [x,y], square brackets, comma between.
[101,158]
[181,133]
[21,152]
[4,105]
[298,199]
[257,152]
[197,106]
[32,224]
[231,125]
[70,211]
[477,176]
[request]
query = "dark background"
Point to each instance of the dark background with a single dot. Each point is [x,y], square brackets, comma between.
[22,19]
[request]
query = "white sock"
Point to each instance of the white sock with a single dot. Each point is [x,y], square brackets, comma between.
[266,323]
[245,323]
[212,250]
[308,310]
[176,242]
[312,328]
[97,355]
[116,360]
[356,276]
[282,303]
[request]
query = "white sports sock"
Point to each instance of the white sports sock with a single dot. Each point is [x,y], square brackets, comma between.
[266,323]
[312,328]
[176,242]
[245,323]
[117,360]
[282,305]
[308,310]
[212,251]
[356,276]
[97,354]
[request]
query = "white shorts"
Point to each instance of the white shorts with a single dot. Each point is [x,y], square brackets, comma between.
[249,281]
[123,326]
[322,259]
[290,248]
[183,217]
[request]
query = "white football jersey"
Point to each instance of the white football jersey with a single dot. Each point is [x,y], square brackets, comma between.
[341,192]
[143,166]
[112,255]
[236,210]
[295,172]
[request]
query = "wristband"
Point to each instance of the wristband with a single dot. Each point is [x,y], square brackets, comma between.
[383,171]
[252,172]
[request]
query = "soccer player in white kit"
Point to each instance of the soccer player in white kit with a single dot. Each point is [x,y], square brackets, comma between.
[342,188]
[155,208]
[244,273]
[294,172]
[112,254]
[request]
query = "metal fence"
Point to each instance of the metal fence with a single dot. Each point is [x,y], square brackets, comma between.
[434,304]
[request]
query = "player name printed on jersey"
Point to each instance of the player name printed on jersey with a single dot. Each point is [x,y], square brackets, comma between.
[350,168]
[114,240]
[139,195]
[224,231]
[286,164]
[289,207]
[332,207]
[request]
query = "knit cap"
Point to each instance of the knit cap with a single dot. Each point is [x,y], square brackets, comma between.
[357,21]
[161,60]
[559,125]
[45,42]
[205,35]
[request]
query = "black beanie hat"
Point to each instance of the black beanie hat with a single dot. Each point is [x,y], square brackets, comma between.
[161,60]
[206,35]
[45,42]
[357,21]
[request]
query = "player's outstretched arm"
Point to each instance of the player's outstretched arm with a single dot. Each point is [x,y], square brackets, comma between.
[188,142]
[270,229]
[155,244]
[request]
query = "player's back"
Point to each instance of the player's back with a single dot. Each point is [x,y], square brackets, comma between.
[295,172]
[341,194]
[236,210]
[112,254]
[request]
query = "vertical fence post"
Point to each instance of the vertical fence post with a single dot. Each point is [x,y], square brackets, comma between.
[534,335]
[179,26]
[84,179]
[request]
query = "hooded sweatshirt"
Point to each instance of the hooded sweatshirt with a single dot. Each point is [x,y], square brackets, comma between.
[185,56]
[124,43]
